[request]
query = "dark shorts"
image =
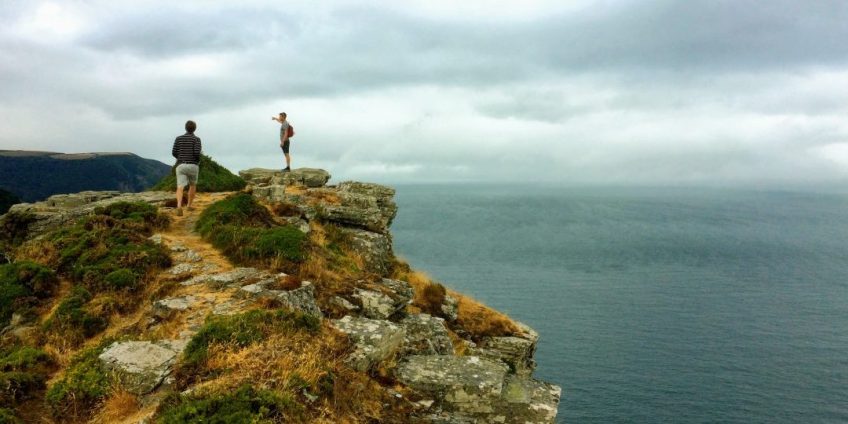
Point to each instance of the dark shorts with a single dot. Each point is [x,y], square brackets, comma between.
[285,147]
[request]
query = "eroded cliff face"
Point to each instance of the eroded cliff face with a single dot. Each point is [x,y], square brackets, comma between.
[430,351]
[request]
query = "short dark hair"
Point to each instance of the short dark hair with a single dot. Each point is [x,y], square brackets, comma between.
[190,127]
[284,114]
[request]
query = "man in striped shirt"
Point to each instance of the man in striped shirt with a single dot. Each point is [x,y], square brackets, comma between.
[187,151]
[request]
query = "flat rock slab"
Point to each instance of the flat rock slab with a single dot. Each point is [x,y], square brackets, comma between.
[140,366]
[165,307]
[374,340]
[223,279]
[465,383]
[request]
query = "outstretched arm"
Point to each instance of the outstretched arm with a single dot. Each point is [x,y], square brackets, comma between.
[276,118]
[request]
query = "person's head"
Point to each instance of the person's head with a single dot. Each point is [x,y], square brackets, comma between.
[190,127]
[282,116]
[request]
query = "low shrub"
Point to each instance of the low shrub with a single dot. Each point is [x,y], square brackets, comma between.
[245,232]
[23,371]
[7,416]
[14,228]
[71,322]
[83,385]
[245,405]
[141,212]
[21,285]
[240,210]
[105,253]
[212,178]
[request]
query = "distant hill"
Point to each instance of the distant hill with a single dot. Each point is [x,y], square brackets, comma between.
[34,176]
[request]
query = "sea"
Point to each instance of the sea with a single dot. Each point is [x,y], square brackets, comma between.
[655,305]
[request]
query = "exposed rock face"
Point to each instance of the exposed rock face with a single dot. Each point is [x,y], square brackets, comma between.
[374,340]
[63,209]
[309,177]
[374,248]
[352,204]
[301,299]
[474,389]
[141,366]
[464,383]
[425,335]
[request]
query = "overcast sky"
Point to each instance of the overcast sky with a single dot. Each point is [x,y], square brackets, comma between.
[726,92]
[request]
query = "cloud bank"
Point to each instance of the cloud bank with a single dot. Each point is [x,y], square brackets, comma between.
[604,92]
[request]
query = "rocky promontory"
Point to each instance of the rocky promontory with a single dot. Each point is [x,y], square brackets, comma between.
[280,303]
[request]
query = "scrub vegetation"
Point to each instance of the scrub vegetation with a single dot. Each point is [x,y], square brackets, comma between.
[212,178]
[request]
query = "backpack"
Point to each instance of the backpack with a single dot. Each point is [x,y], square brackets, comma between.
[290,131]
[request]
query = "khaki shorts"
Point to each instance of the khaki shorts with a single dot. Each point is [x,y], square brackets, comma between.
[187,174]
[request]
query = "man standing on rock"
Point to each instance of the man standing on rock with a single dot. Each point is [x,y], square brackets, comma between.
[187,151]
[286,131]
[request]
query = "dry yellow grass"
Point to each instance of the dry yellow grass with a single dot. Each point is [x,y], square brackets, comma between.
[480,320]
[118,406]
[293,362]
[473,317]
[42,252]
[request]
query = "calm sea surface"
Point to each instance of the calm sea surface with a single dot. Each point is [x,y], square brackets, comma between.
[685,306]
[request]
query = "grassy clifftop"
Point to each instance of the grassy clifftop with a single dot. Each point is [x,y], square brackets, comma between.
[255,345]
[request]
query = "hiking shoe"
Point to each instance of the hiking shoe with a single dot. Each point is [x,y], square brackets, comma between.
[287,169]
[179,212]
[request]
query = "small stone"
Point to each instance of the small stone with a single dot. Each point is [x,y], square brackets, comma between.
[156,238]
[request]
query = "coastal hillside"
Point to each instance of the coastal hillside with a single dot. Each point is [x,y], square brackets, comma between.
[34,176]
[282,302]
[7,199]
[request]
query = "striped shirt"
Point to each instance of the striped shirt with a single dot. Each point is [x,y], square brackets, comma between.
[187,149]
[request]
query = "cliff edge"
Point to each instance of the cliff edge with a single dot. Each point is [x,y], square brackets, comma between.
[283,302]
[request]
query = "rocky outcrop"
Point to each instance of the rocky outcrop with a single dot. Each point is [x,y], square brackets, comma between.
[388,298]
[474,389]
[374,340]
[301,299]
[425,335]
[63,209]
[309,177]
[364,206]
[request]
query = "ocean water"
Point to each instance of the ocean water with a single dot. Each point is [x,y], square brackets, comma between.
[655,305]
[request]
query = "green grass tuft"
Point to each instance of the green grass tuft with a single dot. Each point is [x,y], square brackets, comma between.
[7,416]
[244,329]
[21,285]
[245,405]
[212,178]
[23,371]
[245,232]
[83,385]
[71,322]
[110,251]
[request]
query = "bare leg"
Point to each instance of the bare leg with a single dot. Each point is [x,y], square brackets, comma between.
[180,197]
[288,160]
[191,190]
